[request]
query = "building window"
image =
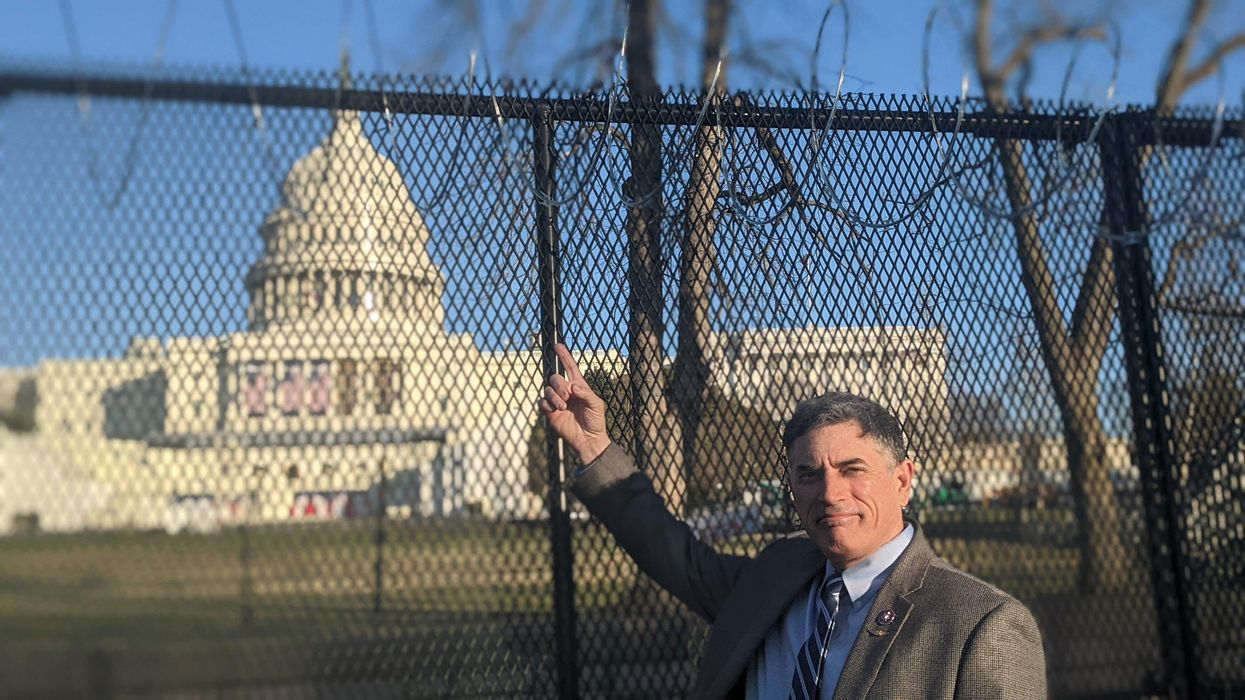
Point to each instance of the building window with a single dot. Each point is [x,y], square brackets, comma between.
[255,389]
[368,291]
[319,388]
[295,294]
[290,391]
[319,290]
[347,386]
[292,472]
[386,382]
[353,291]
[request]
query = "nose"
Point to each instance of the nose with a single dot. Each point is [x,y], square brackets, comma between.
[834,488]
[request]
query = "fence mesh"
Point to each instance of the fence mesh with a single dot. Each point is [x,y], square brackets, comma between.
[271,351]
[1195,215]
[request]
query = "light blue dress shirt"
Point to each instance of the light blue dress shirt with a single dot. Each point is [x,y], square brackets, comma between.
[769,675]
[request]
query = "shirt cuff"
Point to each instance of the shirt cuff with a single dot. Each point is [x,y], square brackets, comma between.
[612,466]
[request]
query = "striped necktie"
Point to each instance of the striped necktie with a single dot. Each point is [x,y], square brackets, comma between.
[812,656]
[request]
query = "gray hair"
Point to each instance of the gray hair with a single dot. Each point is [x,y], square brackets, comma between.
[838,407]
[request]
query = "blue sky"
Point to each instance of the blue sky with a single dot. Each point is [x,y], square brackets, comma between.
[425,37]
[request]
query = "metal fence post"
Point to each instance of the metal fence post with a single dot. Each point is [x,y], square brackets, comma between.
[548,251]
[1142,341]
[248,587]
[379,566]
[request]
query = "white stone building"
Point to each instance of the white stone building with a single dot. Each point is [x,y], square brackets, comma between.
[345,393]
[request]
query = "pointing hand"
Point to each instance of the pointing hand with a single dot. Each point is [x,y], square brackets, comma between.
[574,411]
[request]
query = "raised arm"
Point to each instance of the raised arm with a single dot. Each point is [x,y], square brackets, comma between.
[574,411]
[623,499]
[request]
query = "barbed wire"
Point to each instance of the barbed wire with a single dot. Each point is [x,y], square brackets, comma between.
[821,174]
[586,154]
[821,135]
[112,199]
[566,196]
[609,132]
[1211,151]
[1065,175]
[259,124]
[439,197]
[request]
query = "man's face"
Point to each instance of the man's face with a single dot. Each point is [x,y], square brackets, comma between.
[848,496]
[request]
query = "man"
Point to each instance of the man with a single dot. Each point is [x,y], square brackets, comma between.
[857,606]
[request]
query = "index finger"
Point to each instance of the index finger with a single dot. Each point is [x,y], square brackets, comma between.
[568,362]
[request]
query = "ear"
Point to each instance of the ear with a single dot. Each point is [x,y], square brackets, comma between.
[904,472]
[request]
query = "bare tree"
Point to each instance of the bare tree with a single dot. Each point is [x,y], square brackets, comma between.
[1216,298]
[1208,399]
[1073,352]
[657,439]
[667,403]
[690,382]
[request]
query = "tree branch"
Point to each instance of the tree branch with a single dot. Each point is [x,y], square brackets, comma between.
[990,83]
[761,58]
[787,181]
[1036,36]
[1184,249]
[1091,316]
[1211,63]
[612,131]
[524,26]
[786,173]
[1036,274]
[763,196]
[1173,83]
[1209,304]
[605,48]
[1181,250]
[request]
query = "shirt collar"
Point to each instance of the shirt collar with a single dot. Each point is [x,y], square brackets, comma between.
[860,577]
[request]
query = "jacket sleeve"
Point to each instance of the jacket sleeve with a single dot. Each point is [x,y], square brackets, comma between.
[664,547]
[1003,657]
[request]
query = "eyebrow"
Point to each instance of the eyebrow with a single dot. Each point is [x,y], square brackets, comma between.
[850,462]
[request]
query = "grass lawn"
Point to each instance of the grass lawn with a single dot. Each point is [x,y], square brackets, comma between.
[309,579]
[1023,569]
[319,580]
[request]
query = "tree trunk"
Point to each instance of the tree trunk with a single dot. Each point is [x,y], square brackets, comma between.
[1103,564]
[1073,357]
[690,383]
[657,434]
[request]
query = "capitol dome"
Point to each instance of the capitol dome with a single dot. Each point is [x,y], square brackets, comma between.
[346,240]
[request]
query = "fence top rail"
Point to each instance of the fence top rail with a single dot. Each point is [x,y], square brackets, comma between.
[882,113]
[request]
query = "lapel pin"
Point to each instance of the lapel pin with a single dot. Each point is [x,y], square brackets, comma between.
[885,617]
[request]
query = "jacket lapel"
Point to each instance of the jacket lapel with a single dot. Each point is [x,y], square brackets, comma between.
[753,608]
[876,639]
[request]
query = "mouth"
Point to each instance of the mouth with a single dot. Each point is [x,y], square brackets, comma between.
[836,519]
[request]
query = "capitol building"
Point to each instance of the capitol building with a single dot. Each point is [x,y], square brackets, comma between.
[345,394]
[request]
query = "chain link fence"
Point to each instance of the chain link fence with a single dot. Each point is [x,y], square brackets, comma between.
[270,347]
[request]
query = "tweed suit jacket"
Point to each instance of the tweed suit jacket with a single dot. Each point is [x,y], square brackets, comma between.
[951,636]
